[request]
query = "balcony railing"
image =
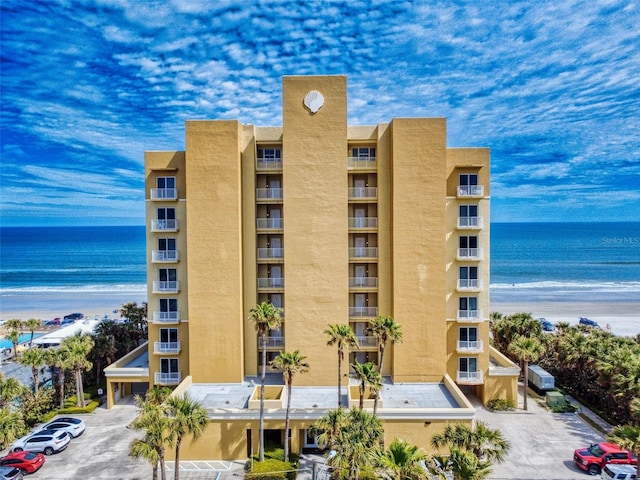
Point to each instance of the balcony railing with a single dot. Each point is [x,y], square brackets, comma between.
[270,282]
[269,193]
[363,282]
[469,377]
[265,253]
[361,163]
[468,345]
[470,315]
[363,222]
[166,286]
[470,253]
[471,191]
[164,225]
[271,342]
[270,223]
[367,341]
[363,192]
[166,347]
[469,284]
[269,164]
[164,256]
[470,222]
[164,194]
[363,311]
[166,317]
[171,378]
[363,252]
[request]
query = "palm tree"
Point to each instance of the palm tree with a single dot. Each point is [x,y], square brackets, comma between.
[403,461]
[14,324]
[104,350]
[187,417]
[526,349]
[34,358]
[77,348]
[10,389]
[157,395]
[291,363]
[483,442]
[327,429]
[14,335]
[367,375]
[385,329]
[58,360]
[144,448]
[266,317]
[628,436]
[345,339]
[462,465]
[12,426]
[32,325]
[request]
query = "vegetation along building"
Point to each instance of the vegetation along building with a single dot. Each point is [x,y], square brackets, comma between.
[334,224]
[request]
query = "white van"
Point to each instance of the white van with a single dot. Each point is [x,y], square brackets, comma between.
[618,472]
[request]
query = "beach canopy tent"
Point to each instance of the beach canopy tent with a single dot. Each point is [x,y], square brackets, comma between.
[55,338]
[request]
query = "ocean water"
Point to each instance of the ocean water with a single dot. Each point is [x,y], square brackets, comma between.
[44,267]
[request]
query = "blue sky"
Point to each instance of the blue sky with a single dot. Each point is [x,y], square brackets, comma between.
[553,88]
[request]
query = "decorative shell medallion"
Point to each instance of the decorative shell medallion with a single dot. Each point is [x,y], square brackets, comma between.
[314,101]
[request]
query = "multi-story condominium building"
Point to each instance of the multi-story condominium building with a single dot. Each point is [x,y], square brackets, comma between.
[333,224]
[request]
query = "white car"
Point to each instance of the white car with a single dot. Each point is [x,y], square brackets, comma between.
[47,442]
[73,426]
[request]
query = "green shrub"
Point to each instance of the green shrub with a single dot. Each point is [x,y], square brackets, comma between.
[73,410]
[565,407]
[270,469]
[500,405]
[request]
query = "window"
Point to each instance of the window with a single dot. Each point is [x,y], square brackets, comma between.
[167,274]
[266,154]
[469,216]
[468,304]
[467,211]
[166,182]
[169,366]
[168,305]
[468,179]
[468,338]
[169,335]
[468,277]
[470,243]
[364,153]
[166,244]
[468,364]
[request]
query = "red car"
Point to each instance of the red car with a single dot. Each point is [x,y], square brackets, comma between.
[27,462]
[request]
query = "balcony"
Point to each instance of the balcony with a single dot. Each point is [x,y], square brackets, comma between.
[470,191]
[356,223]
[469,378]
[166,287]
[470,316]
[470,223]
[164,256]
[267,194]
[363,193]
[270,223]
[271,342]
[273,164]
[363,282]
[166,317]
[470,346]
[469,284]
[164,225]
[363,252]
[166,347]
[169,378]
[270,253]
[367,341]
[164,194]
[361,163]
[470,254]
[270,282]
[363,312]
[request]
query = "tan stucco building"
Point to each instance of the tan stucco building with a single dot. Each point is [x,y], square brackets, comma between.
[334,224]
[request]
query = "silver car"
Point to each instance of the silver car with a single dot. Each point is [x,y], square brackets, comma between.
[73,426]
[46,442]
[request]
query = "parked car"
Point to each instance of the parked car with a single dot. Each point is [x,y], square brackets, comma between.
[46,442]
[10,473]
[547,326]
[588,322]
[618,472]
[73,426]
[27,462]
[593,458]
[52,323]
[74,316]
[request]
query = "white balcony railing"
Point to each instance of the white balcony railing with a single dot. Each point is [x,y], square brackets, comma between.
[270,253]
[166,347]
[363,282]
[470,315]
[469,284]
[269,193]
[363,222]
[363,311]
[363,252]
[470,253]
[166,317]
[164,256]
[269,164]
[271,342]
[471,191]
[361,163]
[363,192]
[468,345]
[469,377]
[168,378]
[166,286]
[367,341]
[164,194]
[270,282]
[164,225]
[270,223]
[470,222]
